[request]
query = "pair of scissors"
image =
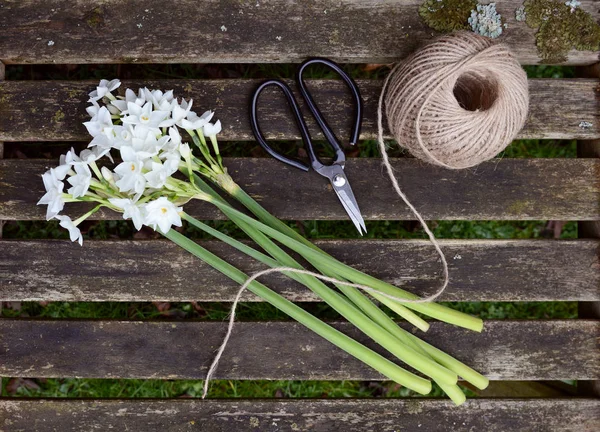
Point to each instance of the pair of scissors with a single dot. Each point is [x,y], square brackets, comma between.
[334,171]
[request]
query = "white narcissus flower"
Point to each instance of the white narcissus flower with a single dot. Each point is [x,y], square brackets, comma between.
[104,89]
[66,162]
[105,139]
[174,140]
[193,122]
[53,196]
[162,101]
[179,111]
[74,232]
[80,182]
[145,141]
[130,171]
[99,122]
[122,136]
[171,161]
[88,156]
[130,96]
[211,130]
[144,115]
[163,213]
[130,211]
[158,175]
[93,109]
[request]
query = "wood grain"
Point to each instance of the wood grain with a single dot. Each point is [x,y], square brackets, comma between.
[190,31]
[326,415]
[482,270]
[507,189]
[557,108]
[506,350]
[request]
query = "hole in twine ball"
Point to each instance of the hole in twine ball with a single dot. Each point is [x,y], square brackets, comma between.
[458,101]
[475,92]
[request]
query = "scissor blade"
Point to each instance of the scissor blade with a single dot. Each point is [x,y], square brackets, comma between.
[347,199]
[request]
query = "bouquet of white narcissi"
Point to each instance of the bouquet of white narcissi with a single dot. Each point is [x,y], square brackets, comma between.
[145,130]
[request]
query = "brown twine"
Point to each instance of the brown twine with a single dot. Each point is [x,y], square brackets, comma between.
[457,102]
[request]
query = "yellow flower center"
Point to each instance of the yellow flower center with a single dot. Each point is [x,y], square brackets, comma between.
[163,210]
[132,167]
[145,118]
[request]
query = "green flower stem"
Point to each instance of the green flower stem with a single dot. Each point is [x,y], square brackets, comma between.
[382,319]
[453,391]
[227,184]
[402,311]
[340,304]
[96,170]
[439,312]
[362,353]
[464,371]
[262,214]
[87,215]
[204,150]
[215,144]
[334,267]
[233,189]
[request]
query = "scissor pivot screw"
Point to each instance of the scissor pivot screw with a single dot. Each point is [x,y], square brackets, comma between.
[339,181]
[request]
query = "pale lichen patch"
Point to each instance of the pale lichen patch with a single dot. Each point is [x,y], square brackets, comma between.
[486,21]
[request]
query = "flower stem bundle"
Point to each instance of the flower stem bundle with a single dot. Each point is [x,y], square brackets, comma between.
[159,172]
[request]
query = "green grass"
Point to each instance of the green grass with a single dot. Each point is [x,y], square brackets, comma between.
[313,229]
[137,388]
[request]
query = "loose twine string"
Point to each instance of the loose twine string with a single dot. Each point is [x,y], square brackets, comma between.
[425,117]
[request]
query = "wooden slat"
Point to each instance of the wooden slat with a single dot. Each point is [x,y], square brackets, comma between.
[557,108]
[506,350]
[482,270]
[190,31]
[343,415]
[562,189]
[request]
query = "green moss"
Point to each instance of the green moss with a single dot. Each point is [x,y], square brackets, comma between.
[447,15]
[560,29]
[95,18]
[518,207]
[73,93]
[58,116]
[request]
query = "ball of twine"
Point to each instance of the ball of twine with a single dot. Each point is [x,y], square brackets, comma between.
[458,101]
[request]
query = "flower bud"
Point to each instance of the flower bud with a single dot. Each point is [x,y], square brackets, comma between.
[185,151]
[107,174]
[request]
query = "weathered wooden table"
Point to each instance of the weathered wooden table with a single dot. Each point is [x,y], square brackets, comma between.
[519,353]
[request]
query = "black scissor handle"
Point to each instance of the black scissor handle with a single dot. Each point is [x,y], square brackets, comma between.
[299,121]
[329,135]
